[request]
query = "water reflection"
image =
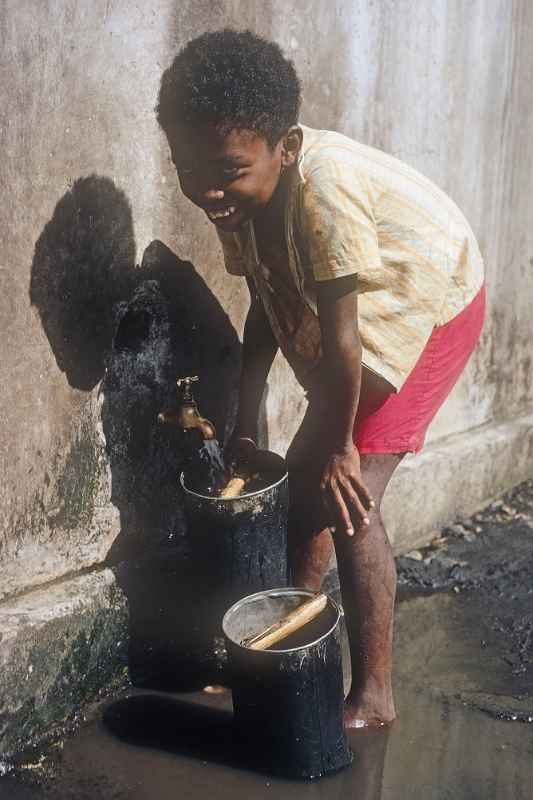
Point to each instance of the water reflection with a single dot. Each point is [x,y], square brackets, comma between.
[200,727]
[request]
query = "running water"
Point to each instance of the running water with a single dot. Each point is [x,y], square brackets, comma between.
[207,472]
[211,457]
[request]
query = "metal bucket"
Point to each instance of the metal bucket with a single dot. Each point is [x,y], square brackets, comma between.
[239,545]
[288,700]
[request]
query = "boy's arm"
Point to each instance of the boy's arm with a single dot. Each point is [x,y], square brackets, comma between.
[342,483]
[259,348]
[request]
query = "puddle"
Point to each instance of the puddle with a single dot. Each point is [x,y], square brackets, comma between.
[464,695]
[468,650]
[435,750]
[450,671]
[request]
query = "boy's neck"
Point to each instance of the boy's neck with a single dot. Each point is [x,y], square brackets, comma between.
[272,218]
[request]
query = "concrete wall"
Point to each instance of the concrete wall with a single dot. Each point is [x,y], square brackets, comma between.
[92,215]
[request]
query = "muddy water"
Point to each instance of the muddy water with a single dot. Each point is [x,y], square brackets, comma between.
[161,746]
[156,747]
[463,658]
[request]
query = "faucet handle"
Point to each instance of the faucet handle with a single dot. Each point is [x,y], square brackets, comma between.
[184,384]
[187,381]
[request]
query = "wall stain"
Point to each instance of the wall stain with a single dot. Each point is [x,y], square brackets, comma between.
[79,482]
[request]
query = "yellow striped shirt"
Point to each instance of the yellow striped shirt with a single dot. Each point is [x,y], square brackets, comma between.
[354,210]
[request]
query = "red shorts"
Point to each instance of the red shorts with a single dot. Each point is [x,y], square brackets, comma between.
[400,423]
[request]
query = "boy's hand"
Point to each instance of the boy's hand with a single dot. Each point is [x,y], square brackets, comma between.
[343,489]
[239,450]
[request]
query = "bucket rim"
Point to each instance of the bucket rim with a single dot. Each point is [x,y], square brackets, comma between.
[277,593]
[240,496]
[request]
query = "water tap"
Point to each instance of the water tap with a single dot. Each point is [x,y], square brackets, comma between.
[187,415]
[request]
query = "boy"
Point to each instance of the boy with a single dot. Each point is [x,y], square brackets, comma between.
[370,281]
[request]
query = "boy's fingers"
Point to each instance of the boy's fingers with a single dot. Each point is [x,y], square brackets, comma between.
[355,500]
[342,510]
[363,493]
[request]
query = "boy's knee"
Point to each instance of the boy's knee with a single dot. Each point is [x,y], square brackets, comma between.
[363,534]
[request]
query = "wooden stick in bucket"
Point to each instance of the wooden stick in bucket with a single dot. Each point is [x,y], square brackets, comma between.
[234,487]
[292,622]
[243,471]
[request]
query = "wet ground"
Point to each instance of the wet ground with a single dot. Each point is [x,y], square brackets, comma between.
[464,692]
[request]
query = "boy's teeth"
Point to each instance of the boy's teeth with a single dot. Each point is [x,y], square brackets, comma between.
[220,214]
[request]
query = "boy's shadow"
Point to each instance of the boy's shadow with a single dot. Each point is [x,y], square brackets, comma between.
[136,329]
[82,266]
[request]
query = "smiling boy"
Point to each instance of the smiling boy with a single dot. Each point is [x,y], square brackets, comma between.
[369,280]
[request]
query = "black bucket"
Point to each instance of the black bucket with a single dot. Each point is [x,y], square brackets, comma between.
[288,700]
[239,545]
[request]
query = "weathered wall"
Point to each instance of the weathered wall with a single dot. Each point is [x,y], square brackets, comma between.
[89,194]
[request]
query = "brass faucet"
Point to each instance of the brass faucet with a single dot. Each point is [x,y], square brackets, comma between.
[187,416]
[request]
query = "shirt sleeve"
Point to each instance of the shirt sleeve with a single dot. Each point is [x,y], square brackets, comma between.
[231,248]
[338,226]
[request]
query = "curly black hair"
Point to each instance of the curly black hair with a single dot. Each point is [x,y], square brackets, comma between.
[234,79]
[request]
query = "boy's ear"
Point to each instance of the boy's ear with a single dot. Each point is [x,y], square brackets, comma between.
[291,146]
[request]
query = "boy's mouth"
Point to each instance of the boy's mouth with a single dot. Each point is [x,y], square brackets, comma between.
[222,213]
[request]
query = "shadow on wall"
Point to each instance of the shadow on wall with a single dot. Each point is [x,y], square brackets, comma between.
[137,328]
[172,326]
[82,266]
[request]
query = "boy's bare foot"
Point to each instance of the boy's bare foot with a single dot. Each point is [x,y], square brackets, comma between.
[215,689]
[371,711]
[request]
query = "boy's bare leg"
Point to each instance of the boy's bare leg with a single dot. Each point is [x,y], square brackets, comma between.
[310,540]
[367,576]
[309,559]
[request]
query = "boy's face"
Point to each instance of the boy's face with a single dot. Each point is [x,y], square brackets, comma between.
[231,176]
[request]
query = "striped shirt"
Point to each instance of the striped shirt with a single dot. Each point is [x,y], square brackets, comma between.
[354,210]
